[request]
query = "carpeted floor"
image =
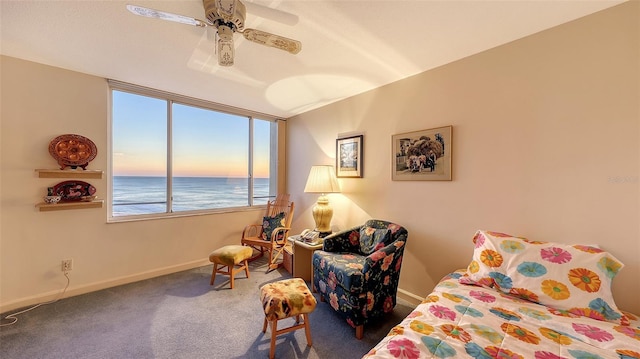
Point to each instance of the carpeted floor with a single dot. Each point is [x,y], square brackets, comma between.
[182,316]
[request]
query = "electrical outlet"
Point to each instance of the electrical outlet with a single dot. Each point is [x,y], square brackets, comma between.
[67,265]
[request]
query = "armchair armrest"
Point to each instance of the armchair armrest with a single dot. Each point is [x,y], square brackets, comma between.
[252,231]
[279,235]
[386,259]
[347,240]
[252,234]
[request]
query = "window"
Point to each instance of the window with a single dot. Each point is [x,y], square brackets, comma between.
[172,154]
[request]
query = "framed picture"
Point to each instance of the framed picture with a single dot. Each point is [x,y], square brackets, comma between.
[349,156]
[422,155]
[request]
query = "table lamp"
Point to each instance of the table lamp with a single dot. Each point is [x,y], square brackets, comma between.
[322,179]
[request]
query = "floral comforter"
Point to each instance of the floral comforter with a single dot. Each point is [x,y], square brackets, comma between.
[466,321]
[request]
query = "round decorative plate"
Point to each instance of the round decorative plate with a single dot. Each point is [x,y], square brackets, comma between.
[73,151]
[74,190]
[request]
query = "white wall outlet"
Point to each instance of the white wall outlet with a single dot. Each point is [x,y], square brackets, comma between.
[67,265]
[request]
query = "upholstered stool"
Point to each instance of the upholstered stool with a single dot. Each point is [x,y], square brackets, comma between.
[233,257]
[284,299]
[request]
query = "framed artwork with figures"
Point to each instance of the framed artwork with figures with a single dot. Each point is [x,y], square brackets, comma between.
[349,157]
[423,155]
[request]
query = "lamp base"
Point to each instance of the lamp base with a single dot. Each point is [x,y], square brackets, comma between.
[322,213]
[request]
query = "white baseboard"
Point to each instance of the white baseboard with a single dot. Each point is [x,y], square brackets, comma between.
[92,287]
[410,297]
[73,291]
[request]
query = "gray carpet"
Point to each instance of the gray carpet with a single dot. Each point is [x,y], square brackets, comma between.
[181,316]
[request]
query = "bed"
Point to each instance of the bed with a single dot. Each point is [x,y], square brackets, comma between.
[520,299]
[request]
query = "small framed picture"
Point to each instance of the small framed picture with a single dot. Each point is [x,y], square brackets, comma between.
[422,155]
[349,156]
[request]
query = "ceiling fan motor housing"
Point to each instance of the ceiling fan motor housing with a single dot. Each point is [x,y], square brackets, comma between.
[214,16]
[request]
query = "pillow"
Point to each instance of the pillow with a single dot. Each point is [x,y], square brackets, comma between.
[372,239]
[271,223]
[573,279]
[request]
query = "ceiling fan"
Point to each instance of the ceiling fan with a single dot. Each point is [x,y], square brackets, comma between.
[227,16]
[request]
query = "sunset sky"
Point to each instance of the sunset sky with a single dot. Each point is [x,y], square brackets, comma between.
[205,143]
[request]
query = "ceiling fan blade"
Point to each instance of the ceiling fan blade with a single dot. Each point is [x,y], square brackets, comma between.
[268,39]
[156,14]
[226,8]
[225,46]
[225,52]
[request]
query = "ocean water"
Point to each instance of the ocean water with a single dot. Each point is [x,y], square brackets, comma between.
[144,195]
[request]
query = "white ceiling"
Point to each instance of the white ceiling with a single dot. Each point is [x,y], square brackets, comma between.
[348,46]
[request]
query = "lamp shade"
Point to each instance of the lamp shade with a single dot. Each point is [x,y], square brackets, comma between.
[322,179]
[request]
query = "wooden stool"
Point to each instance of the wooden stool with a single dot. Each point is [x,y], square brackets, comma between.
[230,257]
[284,299]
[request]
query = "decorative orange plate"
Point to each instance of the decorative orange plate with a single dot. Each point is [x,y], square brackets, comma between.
[73,151]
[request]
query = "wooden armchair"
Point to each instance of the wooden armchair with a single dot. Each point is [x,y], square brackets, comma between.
[271,235]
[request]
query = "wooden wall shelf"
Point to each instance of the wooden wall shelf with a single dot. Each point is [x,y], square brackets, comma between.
[44,173]
[61,206]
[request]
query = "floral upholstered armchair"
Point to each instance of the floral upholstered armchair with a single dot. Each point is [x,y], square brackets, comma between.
[358,271]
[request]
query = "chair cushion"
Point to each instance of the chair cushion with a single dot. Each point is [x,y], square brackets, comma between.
[270,223]
[230,255]
[343,269]
[372,239]
[286,298]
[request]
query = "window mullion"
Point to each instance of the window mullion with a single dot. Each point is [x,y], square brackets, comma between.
[169,208]
[250,179]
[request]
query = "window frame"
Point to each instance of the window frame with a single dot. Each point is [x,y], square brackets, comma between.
[276,150]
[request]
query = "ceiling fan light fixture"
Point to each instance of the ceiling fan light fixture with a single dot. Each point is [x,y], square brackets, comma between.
[225,33]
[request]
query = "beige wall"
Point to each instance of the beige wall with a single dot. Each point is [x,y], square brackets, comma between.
[546,133]
[39,103]
[546,145]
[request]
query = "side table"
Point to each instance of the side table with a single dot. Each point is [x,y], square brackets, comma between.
[302,253]
[287,258]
